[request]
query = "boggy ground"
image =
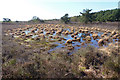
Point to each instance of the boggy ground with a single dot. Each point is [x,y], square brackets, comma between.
[22,58]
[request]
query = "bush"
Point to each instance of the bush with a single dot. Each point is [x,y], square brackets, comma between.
[36,19]
[65,19]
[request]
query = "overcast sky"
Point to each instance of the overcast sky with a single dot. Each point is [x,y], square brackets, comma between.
[23,10]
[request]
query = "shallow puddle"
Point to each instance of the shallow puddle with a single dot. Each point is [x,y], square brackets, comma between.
[62,43]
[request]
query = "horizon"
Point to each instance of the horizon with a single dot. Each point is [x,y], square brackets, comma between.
[46,10]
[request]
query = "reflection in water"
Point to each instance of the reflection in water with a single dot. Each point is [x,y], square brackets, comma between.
[77,45]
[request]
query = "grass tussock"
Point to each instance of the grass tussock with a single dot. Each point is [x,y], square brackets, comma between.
[33,61]
[87,62]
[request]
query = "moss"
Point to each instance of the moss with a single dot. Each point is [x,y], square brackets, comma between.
[18,38]
[53,45]
[103,73]
[82,68]
[28,40]
[10,62]
[42,42]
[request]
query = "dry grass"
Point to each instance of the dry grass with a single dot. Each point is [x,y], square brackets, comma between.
[34,61]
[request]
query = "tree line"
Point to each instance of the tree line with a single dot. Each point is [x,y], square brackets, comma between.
[88,17]
[84,17]
[34,19]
